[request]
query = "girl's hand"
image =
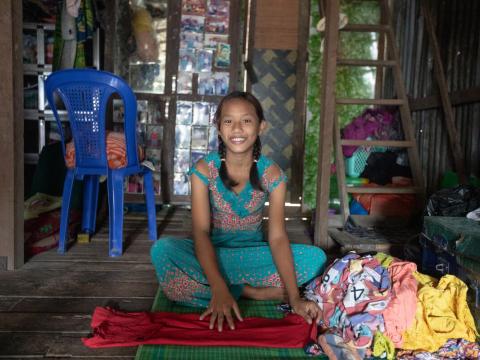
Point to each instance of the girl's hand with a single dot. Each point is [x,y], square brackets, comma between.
[306,309]
[220,308]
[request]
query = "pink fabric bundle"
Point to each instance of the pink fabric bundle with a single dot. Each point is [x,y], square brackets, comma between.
[400,312]
[375,123]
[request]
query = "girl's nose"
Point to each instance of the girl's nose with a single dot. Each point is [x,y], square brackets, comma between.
[237,125]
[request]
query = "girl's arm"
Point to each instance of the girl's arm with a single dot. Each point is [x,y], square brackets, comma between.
[282,253]
[222,301]
[204,249]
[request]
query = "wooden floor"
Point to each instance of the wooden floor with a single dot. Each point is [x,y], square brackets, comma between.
[46,306]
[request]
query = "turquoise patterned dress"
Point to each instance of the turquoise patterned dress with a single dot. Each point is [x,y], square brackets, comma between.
[243,255]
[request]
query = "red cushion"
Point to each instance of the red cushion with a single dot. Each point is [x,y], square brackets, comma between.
[116,151]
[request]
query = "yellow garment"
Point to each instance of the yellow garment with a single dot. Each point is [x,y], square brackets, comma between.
[442,314]
[383,347]
[424,279]
[384,259]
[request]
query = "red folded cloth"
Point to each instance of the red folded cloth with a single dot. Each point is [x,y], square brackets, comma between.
[116,328]
[116,151]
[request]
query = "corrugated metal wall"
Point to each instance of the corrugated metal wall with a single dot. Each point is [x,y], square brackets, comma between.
[457,26]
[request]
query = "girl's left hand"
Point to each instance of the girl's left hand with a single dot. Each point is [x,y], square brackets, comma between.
[306,309]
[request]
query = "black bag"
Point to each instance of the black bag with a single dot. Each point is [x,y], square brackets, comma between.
[457,201]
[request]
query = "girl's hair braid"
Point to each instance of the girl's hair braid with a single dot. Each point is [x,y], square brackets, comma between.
[254,177]
[222,152]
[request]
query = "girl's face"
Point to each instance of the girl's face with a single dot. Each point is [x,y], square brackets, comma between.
[239,126]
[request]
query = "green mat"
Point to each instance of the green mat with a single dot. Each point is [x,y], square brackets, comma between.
[248,307]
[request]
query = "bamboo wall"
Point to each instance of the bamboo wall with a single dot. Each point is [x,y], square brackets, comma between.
[458,32]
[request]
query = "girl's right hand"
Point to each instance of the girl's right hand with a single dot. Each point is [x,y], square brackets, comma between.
[220,309]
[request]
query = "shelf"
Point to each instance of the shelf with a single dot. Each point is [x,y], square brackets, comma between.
[34,26]
[31,158]
[37,69]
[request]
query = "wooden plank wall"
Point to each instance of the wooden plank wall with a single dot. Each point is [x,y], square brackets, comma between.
[458,32]
[276,24]
[11,135]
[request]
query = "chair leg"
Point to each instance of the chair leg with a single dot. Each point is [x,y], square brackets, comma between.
[67,192]
[90,201]
[115,209]
[150,201]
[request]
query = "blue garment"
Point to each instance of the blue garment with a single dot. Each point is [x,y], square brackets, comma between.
[243,255]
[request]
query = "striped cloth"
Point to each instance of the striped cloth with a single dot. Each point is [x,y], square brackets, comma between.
[116,151]
[248,308]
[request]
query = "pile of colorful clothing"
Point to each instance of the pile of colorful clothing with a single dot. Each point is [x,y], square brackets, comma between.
[374,304]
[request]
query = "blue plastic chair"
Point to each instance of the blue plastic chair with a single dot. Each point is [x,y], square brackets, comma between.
[85,93]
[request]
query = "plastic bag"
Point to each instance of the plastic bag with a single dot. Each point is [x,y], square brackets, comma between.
[457,201]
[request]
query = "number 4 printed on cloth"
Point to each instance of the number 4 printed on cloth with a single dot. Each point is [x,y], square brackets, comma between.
[356,293]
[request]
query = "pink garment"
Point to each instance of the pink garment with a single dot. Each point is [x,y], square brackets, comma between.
[400,312]
[118,328]
[376,123]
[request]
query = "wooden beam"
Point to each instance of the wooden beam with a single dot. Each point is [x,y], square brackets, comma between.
[340,172]
[388,143]
[460,97]
[109,42]
[365,62]
[383,190]
[327,118]
[408,130]
[382,102]
[381,55]
[365,27]
[11,130]
[298,136]
[457,151]
[236,38]
[250,18]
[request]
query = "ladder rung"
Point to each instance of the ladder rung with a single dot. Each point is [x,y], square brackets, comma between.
[383,190]
[364,62]
[395,102]
[387,143]
[365,27]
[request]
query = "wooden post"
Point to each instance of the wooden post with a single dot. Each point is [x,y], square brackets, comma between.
[327,117]
[298,136]
[11,130]
[457,151]
[379,74]
[341,178]
[405,114]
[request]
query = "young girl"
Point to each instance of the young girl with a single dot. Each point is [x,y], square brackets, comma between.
[229,256]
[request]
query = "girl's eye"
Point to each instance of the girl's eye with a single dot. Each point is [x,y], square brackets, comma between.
[227,121]
[247,120]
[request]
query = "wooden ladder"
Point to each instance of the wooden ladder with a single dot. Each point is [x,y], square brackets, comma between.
[388,56]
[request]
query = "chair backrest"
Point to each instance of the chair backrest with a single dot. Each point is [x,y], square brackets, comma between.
[85,93]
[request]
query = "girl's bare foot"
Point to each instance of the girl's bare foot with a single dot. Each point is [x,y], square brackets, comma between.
[264,293]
